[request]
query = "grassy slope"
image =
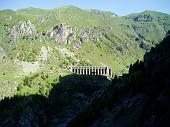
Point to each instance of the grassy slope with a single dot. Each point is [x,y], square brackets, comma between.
[156,28]
[120,32]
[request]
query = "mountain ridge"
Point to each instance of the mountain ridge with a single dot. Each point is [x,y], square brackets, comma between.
[72,6]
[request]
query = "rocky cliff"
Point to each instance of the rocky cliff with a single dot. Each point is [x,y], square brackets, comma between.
[25,30]
[61,33]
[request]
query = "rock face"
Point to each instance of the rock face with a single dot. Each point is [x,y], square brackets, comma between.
[82,39]
[61,33]
[42,19]
[145,46]
[2,53]
[26,30]
[64,34]
[142,18]
[44,53]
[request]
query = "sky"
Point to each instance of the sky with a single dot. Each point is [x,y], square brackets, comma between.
[120,7]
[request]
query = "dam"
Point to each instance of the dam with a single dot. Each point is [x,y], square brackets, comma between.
[91,70]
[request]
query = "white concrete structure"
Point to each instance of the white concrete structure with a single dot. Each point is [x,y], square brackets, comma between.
[91,70]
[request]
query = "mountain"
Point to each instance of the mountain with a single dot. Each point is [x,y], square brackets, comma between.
[139,98]
[150,21]
[37,43]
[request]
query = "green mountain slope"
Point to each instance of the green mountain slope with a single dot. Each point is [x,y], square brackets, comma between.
[154,23]
[140,98]
[35,40]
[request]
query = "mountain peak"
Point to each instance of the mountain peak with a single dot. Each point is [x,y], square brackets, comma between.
[153,13]
[7,11]
[67,7]
[71,6]
[30,8]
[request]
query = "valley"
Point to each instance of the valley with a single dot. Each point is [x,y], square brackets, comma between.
[37,89]
[35,40]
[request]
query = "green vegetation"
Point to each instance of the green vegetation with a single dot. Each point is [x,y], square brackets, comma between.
[97,38]
[81,100]
[154,23]
[38,83]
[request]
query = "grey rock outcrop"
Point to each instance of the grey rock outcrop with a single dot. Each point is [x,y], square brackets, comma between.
[82,39]
[42,19]
[61,33]
[144,17]
[25,29]
[2,53]
[145,46]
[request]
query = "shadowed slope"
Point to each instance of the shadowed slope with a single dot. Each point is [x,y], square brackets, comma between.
[140,98]
[67,98]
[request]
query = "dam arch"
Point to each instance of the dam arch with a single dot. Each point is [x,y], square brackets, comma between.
[91,70]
